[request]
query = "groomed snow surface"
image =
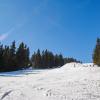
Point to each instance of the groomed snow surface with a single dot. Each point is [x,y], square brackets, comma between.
[73,81]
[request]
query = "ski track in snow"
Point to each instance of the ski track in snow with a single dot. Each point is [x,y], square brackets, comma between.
[73,81]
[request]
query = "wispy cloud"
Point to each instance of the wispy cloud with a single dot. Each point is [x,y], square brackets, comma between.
[4,36]
[36,11]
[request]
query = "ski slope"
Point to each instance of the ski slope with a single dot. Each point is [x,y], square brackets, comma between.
[73,81]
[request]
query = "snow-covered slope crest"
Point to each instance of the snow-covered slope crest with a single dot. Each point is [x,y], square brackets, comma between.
[73,81]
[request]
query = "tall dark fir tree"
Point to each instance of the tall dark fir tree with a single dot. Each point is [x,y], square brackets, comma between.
[96,53]
[12,61]
[6,58]
[1,56]
[22,56]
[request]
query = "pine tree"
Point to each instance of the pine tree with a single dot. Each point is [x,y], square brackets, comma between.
[22,56]
[1,57]
[56,60]
[33,59]
[28,58]
[50,60]
[61,60]
[12,58]
[6,59]
[38,59]
[1,54]
[46,58]
[96,54]
[43,59]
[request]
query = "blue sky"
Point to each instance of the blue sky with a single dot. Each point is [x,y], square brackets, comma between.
[69,27]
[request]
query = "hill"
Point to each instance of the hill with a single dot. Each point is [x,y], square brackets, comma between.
[72,81]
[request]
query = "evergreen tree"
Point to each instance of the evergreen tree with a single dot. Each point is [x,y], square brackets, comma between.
[96,54]
[56,60]
[6,59]
[50,60]
[43,59]
[22,56]
[33,59]
[38,59]
[12,59]
[46,58]
[1,56]
[28,62]
[61,60]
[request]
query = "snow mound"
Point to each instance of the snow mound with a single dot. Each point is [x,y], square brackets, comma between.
[73,81]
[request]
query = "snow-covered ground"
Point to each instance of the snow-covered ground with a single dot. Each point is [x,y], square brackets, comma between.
[71,82]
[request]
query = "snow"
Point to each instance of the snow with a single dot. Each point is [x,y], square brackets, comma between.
[72,81]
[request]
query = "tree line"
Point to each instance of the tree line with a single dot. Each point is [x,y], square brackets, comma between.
[46,59]
[69,60]
[16,58]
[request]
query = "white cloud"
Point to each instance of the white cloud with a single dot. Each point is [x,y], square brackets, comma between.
[5,35]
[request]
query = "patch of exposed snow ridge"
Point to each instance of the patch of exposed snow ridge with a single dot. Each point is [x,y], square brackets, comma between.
[73,81]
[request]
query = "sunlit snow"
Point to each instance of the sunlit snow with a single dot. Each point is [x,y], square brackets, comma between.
[73,81]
